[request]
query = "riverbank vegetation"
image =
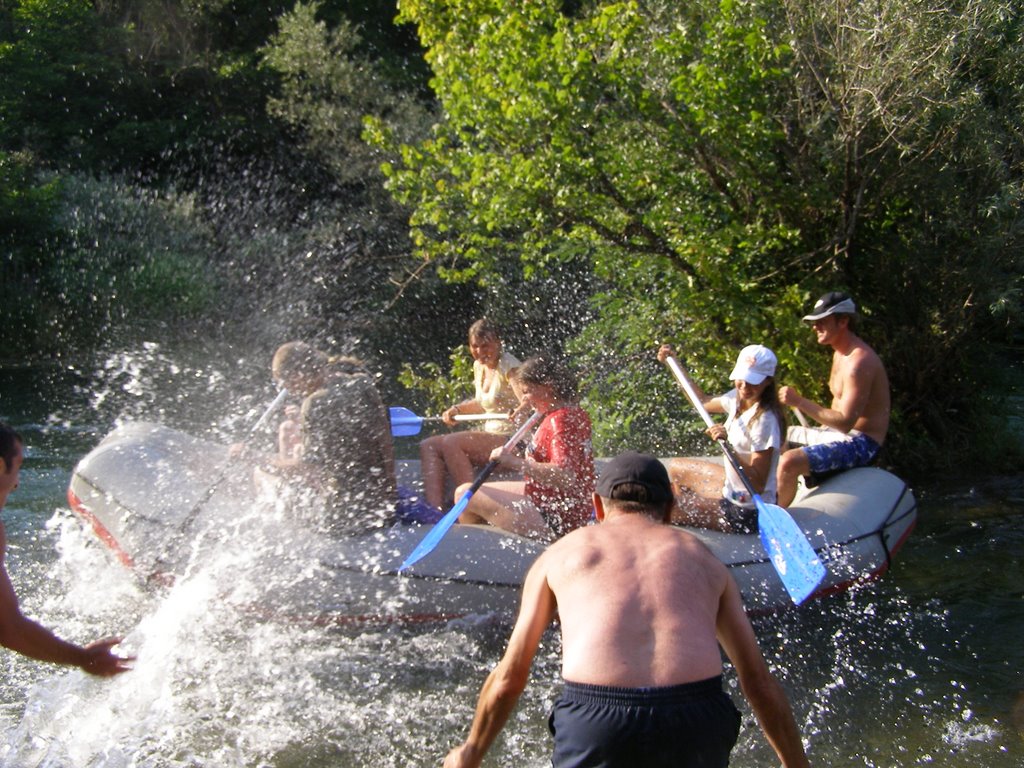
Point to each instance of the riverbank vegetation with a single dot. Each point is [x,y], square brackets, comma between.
[598,177]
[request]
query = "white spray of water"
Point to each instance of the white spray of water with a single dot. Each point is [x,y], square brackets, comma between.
[215,684]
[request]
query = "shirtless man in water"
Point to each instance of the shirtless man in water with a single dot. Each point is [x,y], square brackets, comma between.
[858,420]
[643,608]
[20,633]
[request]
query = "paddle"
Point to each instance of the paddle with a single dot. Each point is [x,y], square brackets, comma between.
[788,548]
[800,417]
[435,534]
[405,423]
[190,517]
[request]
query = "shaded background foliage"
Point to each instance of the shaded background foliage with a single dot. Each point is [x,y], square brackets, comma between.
[597,177]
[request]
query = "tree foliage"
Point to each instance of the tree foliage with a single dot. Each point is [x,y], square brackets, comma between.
[147,86]
[59,77]
[27,208]
[327,88]
[115,256]
[719,164]
[224,135]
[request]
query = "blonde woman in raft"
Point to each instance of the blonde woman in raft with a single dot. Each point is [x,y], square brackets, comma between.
[456,454]
[711,495]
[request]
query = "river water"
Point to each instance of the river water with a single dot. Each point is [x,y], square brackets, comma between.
[921,668]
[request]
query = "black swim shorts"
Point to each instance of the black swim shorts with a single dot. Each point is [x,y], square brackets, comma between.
[740,519]
[684,726]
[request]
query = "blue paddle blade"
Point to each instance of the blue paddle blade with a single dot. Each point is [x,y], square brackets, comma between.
[435,534]
[405,428]
[441,527]
[404,422]
[791,553]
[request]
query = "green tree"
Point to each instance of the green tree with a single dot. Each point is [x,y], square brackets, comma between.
[327,88]
[718,164]
[28,207]
[60,77]
[355,248]
[28,204]
[137,86]
[116,257]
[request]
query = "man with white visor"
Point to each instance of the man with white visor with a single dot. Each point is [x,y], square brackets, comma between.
[854,427]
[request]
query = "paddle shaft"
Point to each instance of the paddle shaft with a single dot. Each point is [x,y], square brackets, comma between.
[800,417]
[405,423]
[269,412]
[691,394]
[224,472]
[403,416]
[471,417]
[442,526]
[512,442]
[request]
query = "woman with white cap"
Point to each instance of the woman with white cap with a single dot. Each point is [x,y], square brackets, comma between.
[711,495]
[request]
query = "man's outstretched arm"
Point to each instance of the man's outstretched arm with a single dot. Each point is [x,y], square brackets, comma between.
[506,682]
[766,696]
[29,638]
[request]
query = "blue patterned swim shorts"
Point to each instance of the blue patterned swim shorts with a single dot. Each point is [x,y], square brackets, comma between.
[856,450]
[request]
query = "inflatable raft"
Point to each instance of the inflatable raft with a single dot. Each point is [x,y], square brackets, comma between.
[166,502]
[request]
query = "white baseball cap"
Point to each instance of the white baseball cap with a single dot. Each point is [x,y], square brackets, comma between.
[754,364]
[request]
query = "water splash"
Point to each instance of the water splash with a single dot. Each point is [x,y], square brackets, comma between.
[218,395]
[215,684]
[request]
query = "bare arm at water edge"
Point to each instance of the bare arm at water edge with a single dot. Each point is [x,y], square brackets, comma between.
[763,691]
[22,635]
[505,684]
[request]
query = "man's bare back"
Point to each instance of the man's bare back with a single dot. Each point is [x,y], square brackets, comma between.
[659,591]
[643,608]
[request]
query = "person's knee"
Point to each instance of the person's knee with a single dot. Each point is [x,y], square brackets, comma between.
[452,449]
[476,511]
[432,445]
[792,463]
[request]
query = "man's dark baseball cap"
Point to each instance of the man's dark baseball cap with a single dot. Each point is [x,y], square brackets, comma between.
[637,469]
[832,303]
